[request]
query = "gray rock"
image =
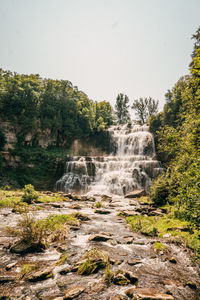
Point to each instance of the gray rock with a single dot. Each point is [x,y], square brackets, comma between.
[122,277]
[10,266]
[99,237]
[40,275]
[73,292]
[147,293]
[21,247]
[133,262]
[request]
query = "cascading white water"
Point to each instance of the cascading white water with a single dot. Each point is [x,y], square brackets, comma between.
[132,167]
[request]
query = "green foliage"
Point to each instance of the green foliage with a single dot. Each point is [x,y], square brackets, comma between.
[160,191]
[142,224]
[121,108]
[177,137]
[33,104]
[179,231]
[29,194]
[159,246]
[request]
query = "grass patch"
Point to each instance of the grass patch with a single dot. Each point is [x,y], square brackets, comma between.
[92,261]
[160,247]
[98,204]
[11,198]
[63,258]
[48,198]
[26,270]
[145,199]
[54,228]
[109,274]
[143,224]
[178,231]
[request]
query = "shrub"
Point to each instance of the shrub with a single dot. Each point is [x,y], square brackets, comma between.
[54,228]
[29,194]
[92,261]
[160,190]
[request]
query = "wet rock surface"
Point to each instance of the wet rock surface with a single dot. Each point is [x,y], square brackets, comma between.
[133,271]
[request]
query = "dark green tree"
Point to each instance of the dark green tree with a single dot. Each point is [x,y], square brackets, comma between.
[121,108]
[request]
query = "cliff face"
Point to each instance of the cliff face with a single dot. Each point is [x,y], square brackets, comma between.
[42,138]
[10,133]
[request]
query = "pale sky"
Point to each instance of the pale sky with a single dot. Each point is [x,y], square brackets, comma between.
[105,47]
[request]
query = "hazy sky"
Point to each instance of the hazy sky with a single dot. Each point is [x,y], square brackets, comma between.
[137,47]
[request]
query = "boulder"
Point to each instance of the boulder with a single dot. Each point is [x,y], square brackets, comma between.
[102,211]
[75,206]
[99,237]
[81,216]
[40,275]
[10,266]
[65,270]
[73,292]
[172,260]
[122,277]
[6,278]
[97,287]
[136,194]
[192,285]
[128,213]
[22,247]
[133,262]
[57,205]
[147,293]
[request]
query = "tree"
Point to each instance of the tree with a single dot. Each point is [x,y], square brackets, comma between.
[122,107]
[145,108]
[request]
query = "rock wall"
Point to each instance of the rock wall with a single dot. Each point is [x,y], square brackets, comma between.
[42,138]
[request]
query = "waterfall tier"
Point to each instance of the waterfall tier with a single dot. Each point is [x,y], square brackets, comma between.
[133,166]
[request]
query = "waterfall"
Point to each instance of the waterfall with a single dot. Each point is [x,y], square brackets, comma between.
[131,167]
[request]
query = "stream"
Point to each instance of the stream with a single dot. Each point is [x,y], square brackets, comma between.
[128,251]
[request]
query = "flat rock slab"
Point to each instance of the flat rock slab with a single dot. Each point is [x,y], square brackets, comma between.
[73,292]
[40,275]
[102,211]
[21,247]
[147,294]
[6,278]
[133,262]
[75,206]
[99,237]
[129,213]
[136,194]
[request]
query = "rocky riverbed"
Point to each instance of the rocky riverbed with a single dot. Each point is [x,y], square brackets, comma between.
[132,269]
